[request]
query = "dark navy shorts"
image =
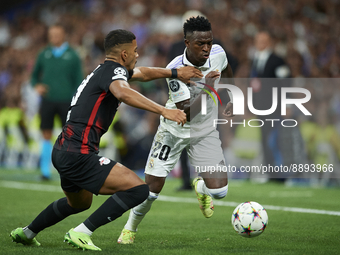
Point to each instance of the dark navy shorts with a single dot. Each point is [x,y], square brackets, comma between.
[81,171]
[49,109]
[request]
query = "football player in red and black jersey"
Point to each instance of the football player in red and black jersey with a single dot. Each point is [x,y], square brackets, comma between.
[75,154]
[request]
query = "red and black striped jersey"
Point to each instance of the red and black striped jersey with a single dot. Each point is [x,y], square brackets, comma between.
[92,109]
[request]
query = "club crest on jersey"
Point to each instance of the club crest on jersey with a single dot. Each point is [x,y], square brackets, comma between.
[151,163]
[174,85]
[104,161]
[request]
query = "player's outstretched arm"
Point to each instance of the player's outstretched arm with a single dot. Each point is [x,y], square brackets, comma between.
[151,73]
[122,91]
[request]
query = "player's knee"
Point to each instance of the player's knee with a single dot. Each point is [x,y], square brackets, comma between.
[143,192]
[138,194]
[219,193]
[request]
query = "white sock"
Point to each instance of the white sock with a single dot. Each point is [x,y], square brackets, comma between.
[133,221]
[201,188]
[83,229]
[29,233]
[138,212]
[218,193]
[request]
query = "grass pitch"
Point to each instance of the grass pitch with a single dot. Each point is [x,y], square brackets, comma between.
[179,227]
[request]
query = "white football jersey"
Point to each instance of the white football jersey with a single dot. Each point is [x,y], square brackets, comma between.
[179,91]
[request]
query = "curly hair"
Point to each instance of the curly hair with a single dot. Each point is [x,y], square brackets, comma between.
[198,23]
[116,37]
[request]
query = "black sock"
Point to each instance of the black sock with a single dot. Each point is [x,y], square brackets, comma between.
[53,213]
[116,205]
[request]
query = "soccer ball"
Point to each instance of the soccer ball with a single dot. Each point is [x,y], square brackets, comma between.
[249,219]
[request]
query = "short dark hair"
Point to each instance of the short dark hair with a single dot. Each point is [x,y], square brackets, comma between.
[116,37]
[198,23]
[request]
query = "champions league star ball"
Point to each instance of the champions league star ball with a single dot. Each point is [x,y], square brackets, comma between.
[249,219]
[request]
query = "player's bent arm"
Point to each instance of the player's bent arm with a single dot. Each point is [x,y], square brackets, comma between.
[122,91]
[151,73]
[190,110]
[228,76]
[193,108]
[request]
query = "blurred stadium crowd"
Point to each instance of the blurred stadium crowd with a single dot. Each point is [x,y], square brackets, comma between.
[305,32]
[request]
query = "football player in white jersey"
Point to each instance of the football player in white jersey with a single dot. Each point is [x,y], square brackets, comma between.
[198,136]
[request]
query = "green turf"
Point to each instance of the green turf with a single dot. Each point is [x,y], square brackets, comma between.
[180,228]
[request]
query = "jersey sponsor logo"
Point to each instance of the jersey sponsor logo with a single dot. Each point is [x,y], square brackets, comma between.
[104,161]
[181,93]
[222,163]
[174,85]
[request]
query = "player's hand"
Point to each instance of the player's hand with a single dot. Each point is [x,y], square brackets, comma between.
[229,110]
[185,73]
[41,89]
[211,77]
[175,115]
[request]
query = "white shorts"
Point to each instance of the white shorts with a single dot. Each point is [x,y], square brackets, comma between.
[167,148]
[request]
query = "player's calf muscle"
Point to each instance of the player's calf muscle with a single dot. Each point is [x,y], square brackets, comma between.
[81,200]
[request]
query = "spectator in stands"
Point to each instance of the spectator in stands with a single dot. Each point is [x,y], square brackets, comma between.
[267,64]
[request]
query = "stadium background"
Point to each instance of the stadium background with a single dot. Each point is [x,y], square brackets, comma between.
[305,34]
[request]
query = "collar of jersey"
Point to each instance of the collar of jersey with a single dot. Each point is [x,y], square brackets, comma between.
[186,62]
[59,51]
